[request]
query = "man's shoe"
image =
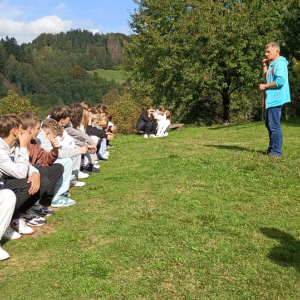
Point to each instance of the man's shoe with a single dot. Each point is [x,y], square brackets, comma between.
[20,226]
[41,210]
[32,219]
[82,175]
[62,201]
[3,254]
[10,234]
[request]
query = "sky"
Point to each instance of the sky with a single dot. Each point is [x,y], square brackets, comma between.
[25,20]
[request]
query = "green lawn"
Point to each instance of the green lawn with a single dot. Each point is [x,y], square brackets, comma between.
[110,74]
[201,214]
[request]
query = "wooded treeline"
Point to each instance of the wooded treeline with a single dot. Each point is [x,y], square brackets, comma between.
[52,70]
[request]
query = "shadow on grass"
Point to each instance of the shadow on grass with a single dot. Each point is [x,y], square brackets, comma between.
[237,126]
[233,148]
[287,254]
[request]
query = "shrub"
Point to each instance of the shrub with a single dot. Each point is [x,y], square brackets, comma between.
[15,104]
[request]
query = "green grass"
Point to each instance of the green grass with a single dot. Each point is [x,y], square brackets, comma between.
[110,74]
[201,214]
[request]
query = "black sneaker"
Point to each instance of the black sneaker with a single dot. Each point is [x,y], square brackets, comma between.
[41,210]
[32,219]
[101,158]
[87,172]
[95,170]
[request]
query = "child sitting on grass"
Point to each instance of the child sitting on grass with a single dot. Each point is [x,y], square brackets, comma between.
[50,130]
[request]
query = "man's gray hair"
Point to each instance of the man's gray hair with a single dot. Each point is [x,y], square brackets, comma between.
[274,45]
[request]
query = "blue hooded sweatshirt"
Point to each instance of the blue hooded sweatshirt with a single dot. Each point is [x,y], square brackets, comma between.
[278,72]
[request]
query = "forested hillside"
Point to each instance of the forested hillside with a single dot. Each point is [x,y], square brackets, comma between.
[52,70]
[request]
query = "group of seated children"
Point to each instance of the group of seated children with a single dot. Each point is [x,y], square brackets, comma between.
[152,121]
[40,161]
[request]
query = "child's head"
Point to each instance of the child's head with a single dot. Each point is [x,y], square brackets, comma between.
[94,111]
[108,116]
[150,109]
[168,114]
[77,110]
[62,114]
[32,123]
[101,107]
[85,104]
[85,117]
[52,129]
[101,121]
[162,110]
[10,124]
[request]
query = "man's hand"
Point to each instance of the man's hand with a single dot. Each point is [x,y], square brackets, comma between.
[110,136]
[265,62]
[24,138]
[262,87]
[35,181]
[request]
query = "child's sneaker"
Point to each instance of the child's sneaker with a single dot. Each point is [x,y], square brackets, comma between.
[145,136]
[3,254]
[41,210]
[66,194]
[62,201]
[20,226]
[82,175]
[97,166]
[10,234]
[32,219]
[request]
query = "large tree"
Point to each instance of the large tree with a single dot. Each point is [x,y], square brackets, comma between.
[185,48]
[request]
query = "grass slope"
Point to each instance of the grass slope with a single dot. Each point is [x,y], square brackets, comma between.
[201,214]
[110,74]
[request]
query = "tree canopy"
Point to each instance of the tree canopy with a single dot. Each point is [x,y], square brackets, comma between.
[184,51]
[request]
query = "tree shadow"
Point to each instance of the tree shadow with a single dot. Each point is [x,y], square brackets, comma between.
[233,148]
[236,126]
[287,254]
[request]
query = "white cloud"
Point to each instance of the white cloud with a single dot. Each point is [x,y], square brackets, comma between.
[61,6]
[26,32]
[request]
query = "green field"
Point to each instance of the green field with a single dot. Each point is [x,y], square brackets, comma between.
[200,214]
[110,74]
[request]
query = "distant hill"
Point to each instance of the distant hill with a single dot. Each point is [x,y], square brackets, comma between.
[44,69]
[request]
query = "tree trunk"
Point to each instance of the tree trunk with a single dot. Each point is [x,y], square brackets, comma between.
[226,107]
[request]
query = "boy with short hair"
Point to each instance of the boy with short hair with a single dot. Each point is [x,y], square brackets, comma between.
[18,175]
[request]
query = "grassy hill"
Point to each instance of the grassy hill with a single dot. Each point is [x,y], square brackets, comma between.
[110,74]
[201,214]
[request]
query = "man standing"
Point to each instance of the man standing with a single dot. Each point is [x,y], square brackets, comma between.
[277,94]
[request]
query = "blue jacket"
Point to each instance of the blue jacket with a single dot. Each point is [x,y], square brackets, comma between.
[278,72]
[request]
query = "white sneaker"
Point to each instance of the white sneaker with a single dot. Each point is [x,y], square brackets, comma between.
[145,136]
[32,219]
[20,226]
[96,161]
[152,135]
[166,134]
[3,254]
[97,166]
[82,175]
[79,184]
[159,135]
[10,234]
